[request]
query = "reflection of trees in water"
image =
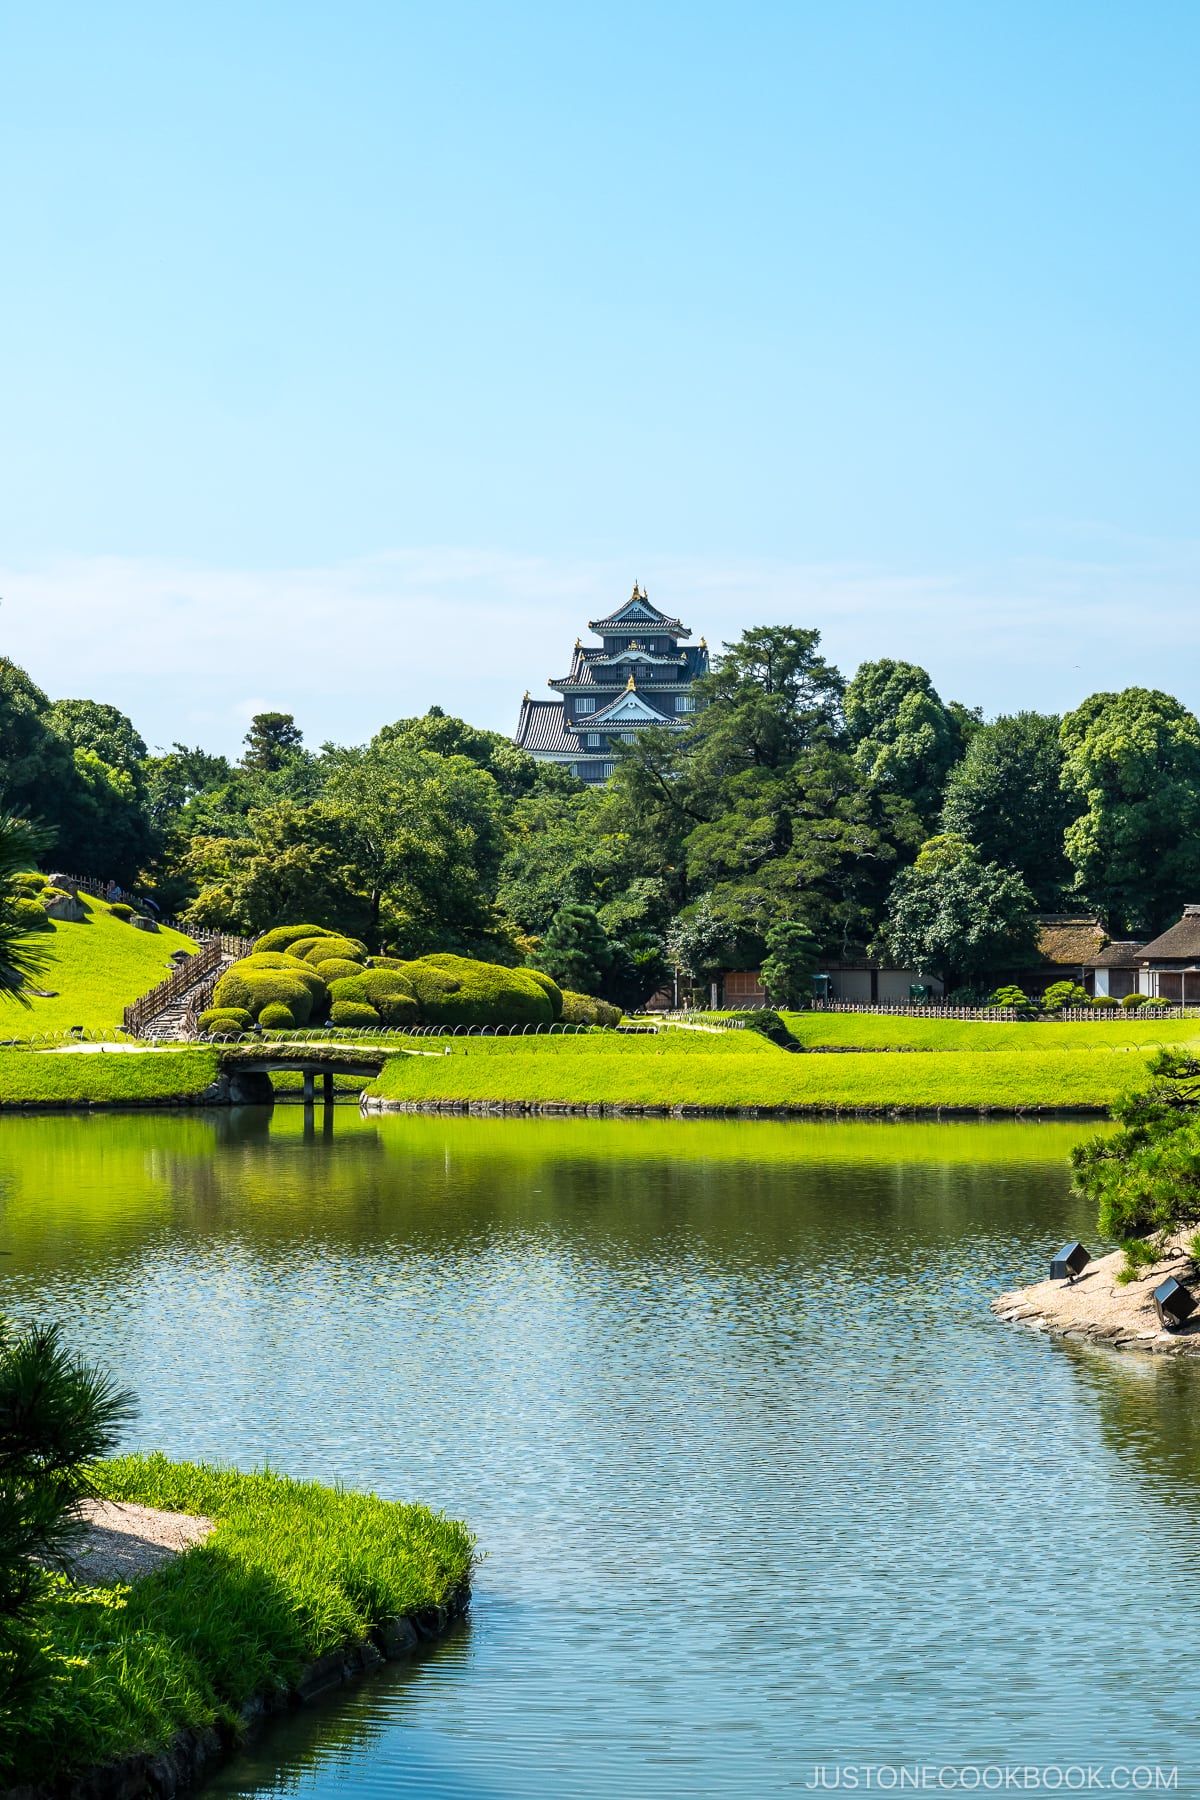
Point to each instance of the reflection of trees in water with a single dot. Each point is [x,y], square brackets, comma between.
[348,1724]
[1149,1413]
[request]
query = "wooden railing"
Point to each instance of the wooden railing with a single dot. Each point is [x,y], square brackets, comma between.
[207,960]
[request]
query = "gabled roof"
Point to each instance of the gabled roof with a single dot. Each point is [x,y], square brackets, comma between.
[1180,943]
[636,653]
[636,611]
[1067,939]
[627,709]
[1124,953]
[542,726]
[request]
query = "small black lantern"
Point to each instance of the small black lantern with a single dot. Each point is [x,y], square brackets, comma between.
[1071,1261]
[1173,1303]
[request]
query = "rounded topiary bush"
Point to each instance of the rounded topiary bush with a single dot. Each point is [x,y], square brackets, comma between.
[254,989]
[390,992]
[275,1017]
[282,937]
[457,990]
[582,1009]
[336,968]
[552,989]
[1105,1002]
[225,1018]
[119,909]
[322,949]
[1131,1002]
[1156,1005]
[27,912]
[354,1013]
[31,881]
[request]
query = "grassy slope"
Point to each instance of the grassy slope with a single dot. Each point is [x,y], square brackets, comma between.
[737,1069]
[880,1029]
[98,967]
[293,1571]
[35,1075]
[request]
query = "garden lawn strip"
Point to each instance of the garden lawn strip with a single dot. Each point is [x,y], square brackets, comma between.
[901,1031]
[292,1572]
[32,1077]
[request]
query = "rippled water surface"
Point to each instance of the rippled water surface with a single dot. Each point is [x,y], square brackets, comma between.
[760,1482]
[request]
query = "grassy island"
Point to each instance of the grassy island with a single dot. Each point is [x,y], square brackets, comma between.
[293,1572]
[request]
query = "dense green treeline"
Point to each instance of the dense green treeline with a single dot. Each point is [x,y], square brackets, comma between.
[867,814]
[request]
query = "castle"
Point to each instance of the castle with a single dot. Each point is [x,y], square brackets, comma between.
[640,675]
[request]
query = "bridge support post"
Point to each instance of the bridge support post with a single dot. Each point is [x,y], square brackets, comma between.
[310,1085]
[327,1081]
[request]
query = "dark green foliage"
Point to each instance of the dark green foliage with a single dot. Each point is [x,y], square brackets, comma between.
[1017,998]
[1006,797]
[276,1017]
[905,740]
[57,1414]
[576,951]
[956,916]
[787,970]
[1145,1178]
[1132,769]
[355,1013]
[272,741]
[104,730]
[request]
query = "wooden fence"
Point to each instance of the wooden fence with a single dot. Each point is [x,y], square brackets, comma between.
[209,959]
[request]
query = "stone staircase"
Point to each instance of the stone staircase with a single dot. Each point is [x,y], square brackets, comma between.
[171,1009]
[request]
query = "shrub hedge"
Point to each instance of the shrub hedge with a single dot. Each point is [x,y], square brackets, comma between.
[27,912]
[320,949]
[454,990]
[32,881]
[254,989]
[225,1018]
[336,968]
[120,909]
[282,937]
[354,1012]
[581,1009]
[276,1017]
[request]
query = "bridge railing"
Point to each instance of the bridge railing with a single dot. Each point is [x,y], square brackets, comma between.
[207,960]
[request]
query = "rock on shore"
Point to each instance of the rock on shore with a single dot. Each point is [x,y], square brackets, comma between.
[1097,1307]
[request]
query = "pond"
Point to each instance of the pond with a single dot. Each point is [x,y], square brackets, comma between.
[762,1486]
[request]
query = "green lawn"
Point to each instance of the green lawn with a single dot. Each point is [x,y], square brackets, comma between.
[29,1076]
[869,1030]
[743,1069]
[292,1572]
[97,967]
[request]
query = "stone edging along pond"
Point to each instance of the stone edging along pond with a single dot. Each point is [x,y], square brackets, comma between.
[195,1754]
[1096,1308]
[374,1103]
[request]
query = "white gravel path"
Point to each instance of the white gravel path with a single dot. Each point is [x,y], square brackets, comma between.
[126,1541]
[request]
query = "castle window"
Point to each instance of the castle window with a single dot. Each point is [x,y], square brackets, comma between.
[585,706]
[685,703]
[593,740]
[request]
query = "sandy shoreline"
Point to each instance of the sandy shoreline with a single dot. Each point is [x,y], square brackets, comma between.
[1096,1307]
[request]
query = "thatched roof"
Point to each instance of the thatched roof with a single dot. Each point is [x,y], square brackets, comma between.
[1180,944]
[1066,939]
[1126,953]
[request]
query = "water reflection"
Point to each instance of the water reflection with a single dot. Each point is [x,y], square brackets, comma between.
[760,1480]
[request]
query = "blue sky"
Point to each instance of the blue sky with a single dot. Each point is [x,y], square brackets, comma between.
[353,357]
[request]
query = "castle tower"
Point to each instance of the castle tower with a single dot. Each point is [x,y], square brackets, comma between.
[639,676]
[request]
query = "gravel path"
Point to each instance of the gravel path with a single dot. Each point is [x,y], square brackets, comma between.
[125,1541]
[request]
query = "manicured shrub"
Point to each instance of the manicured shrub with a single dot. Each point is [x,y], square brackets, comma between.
[275,1017]
[390,992]
[320,949]
[1131,1002]
[225,1018]
[1156,1005]
[253,989]
[457,990]
[1105,1002]
[31,881]
[581,1009]
[1015,997]
[336,968]
[26,912]
[551,987]
[1064,993]
[282,937]
[312,978]
[119,908]
[354,1012]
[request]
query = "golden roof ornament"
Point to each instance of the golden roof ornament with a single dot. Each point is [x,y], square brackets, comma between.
[629,685]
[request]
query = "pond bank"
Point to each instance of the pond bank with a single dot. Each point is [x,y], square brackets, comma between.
[286,1590]
[1097,1307]
[557,1109]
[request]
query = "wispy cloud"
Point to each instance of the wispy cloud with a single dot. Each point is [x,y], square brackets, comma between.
[192,652]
